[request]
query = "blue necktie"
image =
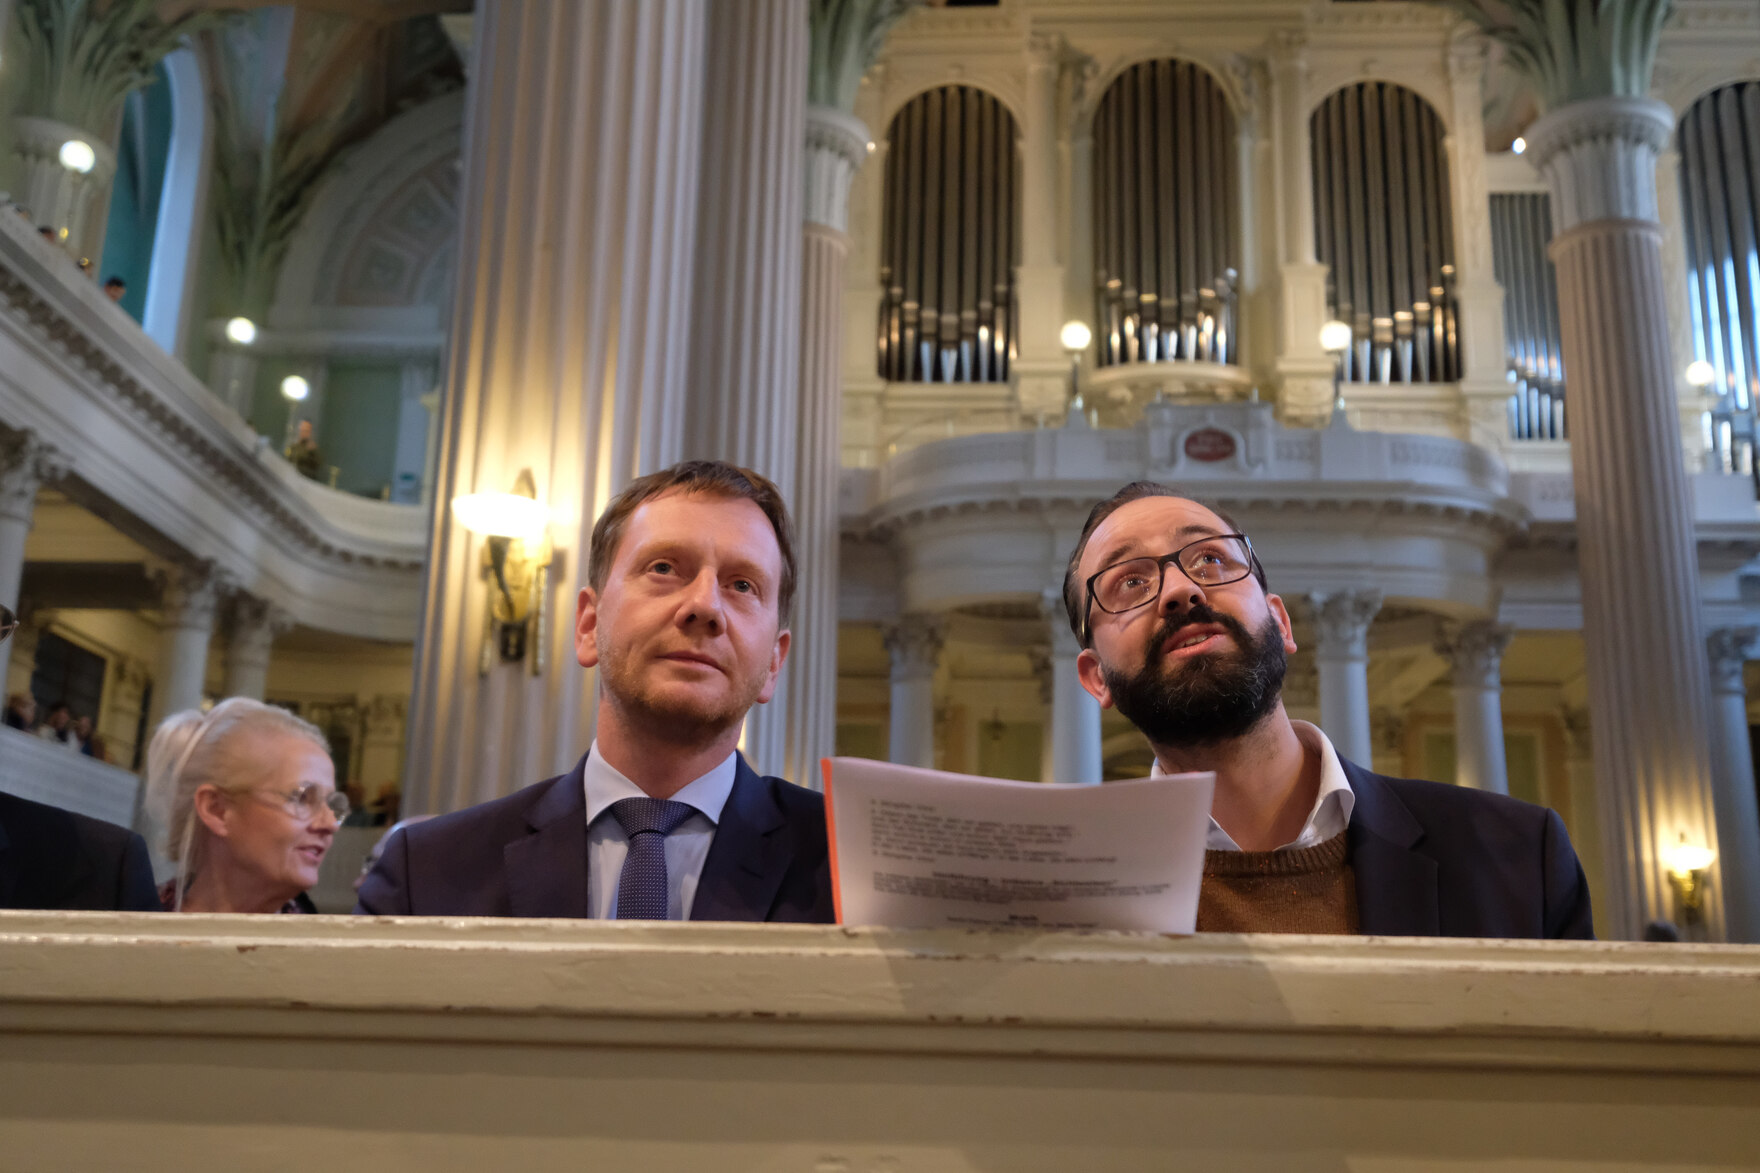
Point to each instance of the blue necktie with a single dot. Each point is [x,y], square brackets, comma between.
[641,888]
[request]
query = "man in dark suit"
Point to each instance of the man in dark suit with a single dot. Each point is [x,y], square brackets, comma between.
[690,579]
[1181,635]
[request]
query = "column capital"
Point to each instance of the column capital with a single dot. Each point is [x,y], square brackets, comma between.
[1045,51]
[837,146]
[1475,650]
[1040,659]
[1577,730]
[1599,158]
[1342,619]
[1729,649]
[258,621]
[26,463]
[914,643]
[192,593]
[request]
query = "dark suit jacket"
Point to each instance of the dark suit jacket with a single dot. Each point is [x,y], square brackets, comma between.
[51,858]
[526,855]
[1445,861]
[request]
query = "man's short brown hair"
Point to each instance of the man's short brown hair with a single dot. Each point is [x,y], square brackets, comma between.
[709,478]
[1073,601]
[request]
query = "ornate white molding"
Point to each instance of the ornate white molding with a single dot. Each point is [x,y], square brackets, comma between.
[193,593]
[1599,158]
[26,464]
[837,146]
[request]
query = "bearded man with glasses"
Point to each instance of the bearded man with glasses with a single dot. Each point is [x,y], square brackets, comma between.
[1181,634]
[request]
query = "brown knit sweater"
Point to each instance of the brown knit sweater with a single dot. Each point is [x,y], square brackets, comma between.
[1305,890]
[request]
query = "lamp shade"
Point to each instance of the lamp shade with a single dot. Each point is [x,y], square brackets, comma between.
[501,515]
[1683,858]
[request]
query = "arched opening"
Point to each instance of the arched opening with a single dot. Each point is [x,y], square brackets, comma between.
[169,287]
[1166,217]
[1384,226]
[137,191]
[1719,140]
[950,240]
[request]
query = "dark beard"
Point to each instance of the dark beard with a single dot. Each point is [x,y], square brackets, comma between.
[1208,699]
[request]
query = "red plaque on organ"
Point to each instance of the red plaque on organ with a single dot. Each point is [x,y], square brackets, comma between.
[1209,444]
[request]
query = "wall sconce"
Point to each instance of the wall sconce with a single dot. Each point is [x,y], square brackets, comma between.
[1687,864]
[516,560]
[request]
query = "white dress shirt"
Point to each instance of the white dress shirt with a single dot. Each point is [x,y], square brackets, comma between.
[686,848]
[1332,806]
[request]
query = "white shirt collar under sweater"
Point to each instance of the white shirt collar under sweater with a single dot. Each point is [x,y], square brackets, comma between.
[1332,806]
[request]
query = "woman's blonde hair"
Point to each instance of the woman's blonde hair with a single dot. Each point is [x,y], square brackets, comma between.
[193,749]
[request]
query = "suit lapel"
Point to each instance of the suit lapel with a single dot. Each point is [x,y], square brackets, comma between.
[748,857]
[1396,886]
[547,870]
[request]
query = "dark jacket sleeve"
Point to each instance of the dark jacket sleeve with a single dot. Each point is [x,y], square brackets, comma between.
[136,891]
[1567,892]
[385,891]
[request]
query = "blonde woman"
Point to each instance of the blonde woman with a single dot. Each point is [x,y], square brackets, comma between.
[247,796]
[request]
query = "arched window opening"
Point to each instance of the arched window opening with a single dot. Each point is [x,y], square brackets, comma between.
[1166,228]
[1719,140]
[135,194]
[1384,227]
[949,240]
[1521,226]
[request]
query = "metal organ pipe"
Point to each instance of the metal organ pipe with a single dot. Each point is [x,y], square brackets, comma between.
[948,240]
[1166,252]
[1520,229]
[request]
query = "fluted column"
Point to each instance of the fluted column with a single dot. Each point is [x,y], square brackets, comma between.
[58,197]
[1585,822]
[255,624]
[1647,672]
[1341,654]
[25,463]
[1476,652]
[914,643]
[745,313]
[191,599]
[1075,714]
[1738,810]
[1304,370]
[570,331]
[836,145]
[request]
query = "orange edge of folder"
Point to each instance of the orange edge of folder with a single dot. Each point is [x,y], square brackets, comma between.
[831,842]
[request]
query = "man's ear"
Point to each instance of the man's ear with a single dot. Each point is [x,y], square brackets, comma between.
[586,628]
[1281,613]
[1088,669]
[778,655]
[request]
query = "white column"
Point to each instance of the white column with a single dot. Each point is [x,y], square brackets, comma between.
[57,197]
[1638,562]
[836,145]
[571,321]
[1304,371]
[25,463]
[192,596]
[1476,651]
[255,624]
[1041,370]
[1732,760]
[746,313]
[1585,820]
[1075,715]
[232,373]
[915,645]
[1342,619]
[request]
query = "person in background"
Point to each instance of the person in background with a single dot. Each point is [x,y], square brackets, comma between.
[246,795]
[81,737]
[21,712]
[115,288]
[303,452]
[54,859]
[372,860]
[47,233]
[55,725]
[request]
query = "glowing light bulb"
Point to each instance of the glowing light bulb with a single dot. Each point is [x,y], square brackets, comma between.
[1076,335]
[242,331]
[1520,145]
[1335,336]
[295,388]
[1700,373]
[77,155]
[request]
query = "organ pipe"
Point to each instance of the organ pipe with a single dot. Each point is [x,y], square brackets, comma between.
[1384,227]
[1719,143]
[1521,226]
[949,241]
[1165,221]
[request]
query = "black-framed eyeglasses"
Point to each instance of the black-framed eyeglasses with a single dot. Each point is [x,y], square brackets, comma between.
[1136,582]
[8,622]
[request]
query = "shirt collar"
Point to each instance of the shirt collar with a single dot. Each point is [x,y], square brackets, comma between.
[708,794]
[1333,804]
